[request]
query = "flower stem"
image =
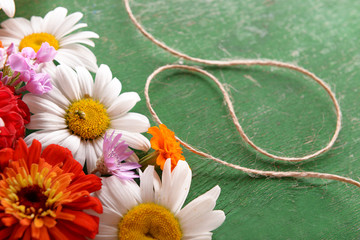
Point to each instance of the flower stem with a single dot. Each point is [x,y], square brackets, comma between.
[149,159]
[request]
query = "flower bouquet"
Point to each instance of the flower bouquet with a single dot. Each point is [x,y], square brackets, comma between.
[83,168]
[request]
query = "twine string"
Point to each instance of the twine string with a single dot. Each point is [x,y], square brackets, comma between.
[245,62]
[251,62]
[234,118]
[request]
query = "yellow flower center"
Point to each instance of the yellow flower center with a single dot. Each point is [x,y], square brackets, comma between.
[34,194]
[36,39]
[149,221]
[87,118]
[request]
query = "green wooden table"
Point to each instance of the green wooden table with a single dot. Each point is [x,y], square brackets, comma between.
[280,110]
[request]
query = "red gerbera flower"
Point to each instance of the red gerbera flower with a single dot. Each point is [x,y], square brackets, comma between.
[43,195]
[14,114]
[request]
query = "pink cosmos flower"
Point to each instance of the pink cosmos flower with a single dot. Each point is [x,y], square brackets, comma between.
[115,153]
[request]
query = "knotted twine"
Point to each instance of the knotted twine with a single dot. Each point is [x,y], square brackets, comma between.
[244,62]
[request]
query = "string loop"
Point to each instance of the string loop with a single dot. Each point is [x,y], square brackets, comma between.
[235,119]
[250,62]
[246,62]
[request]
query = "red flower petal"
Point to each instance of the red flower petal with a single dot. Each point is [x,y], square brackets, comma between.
[83,224]
[21,150]
[6,154]
[34,152]
[86,202]
[57,155]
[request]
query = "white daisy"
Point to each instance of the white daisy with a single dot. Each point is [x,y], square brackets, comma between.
[8,6]
[154,210]
[77,112]
[55,28]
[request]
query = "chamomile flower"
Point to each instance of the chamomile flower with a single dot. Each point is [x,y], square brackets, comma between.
[78,111]
[8,6]
[154,210]
[57,29]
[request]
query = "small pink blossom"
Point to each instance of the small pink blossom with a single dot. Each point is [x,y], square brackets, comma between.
[11,49]
[28,53]
[19,63]
[22,68]
[46,53]
[115,153]
[39,84]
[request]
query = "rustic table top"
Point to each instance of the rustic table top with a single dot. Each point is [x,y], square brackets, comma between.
[281,111]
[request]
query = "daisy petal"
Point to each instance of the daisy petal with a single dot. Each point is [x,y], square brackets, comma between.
[6,40]
[46,121]
[123,103]
[56,96]
[36,23]
[204,223]
[68,24]
[8,6]
[107,236]
[202,236]
[102,78]
[125,198]
[49,68]
[108,217]
[90,155]
[69,84]
[93,153]
[146,185]
[85,81]
[177,183]
[80,154]
[132,122]
[110,92]
[77,55]
[20,26]
[80,37]
[199,206]
[47,137]
[54,19]
[98,146]
[74,28]
[38,104]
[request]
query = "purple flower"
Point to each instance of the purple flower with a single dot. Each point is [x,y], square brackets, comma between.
[115,153]
[23,69]
[19,63]
[11,49]
[28,53]
[46,53]
[39,83]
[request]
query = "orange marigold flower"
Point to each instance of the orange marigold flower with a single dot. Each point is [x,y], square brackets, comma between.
[43,195]
[165,145]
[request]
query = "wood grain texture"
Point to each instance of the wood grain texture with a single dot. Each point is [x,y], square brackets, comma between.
[282,111]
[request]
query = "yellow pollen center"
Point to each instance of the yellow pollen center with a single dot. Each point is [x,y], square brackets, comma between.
[87,118]
[36,39]
[149,221]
